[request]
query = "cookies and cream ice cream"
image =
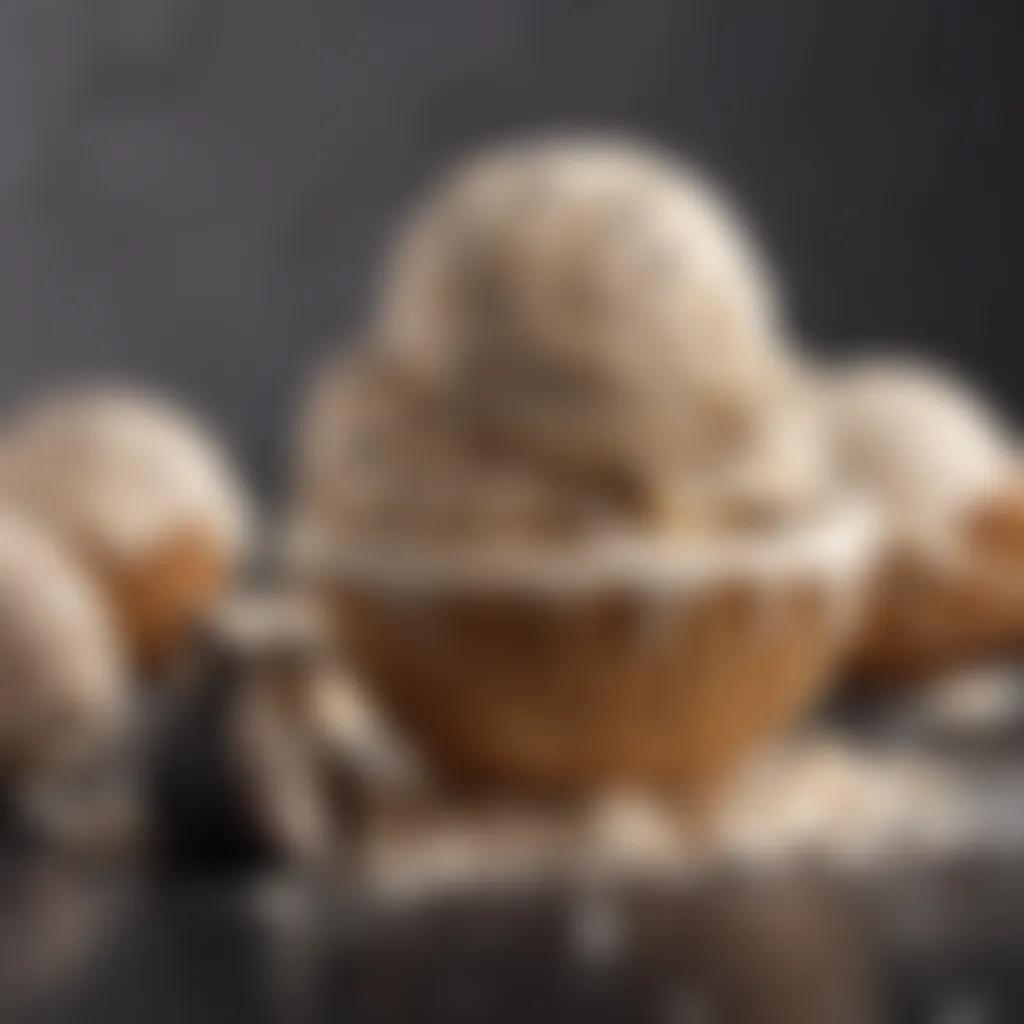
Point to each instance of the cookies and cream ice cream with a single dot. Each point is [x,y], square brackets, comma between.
[573,336]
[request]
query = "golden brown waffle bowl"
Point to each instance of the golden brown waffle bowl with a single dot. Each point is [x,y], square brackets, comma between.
[652,666]
[931,614]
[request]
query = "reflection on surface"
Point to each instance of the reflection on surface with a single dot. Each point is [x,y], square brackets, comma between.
[788,948]
[55,919]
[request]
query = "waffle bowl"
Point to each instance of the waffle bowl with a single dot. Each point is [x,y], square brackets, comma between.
[643,664]
[933,613]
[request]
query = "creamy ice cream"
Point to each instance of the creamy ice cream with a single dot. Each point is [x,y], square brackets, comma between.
[594,259]
[61,670]
[574,336]
[568,502]
[945,474]
[921,442]
[142,495]
[121,470]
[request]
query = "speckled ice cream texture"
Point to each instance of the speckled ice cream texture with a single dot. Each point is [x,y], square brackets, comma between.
[921,442]
[122,471]
[571,332]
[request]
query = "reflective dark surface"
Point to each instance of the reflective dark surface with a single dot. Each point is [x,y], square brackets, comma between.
[945,945]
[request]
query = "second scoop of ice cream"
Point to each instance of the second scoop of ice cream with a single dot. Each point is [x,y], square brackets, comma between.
[926,446]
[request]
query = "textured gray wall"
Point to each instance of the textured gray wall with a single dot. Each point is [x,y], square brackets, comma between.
[195,191]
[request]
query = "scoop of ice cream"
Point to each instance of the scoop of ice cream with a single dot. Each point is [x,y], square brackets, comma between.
[920,441]
[383,461]
[121,472]
[380,458]
[61,671]
[588,293]
[574,335]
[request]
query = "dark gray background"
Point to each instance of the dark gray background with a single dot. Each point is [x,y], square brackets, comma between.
[195,192]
